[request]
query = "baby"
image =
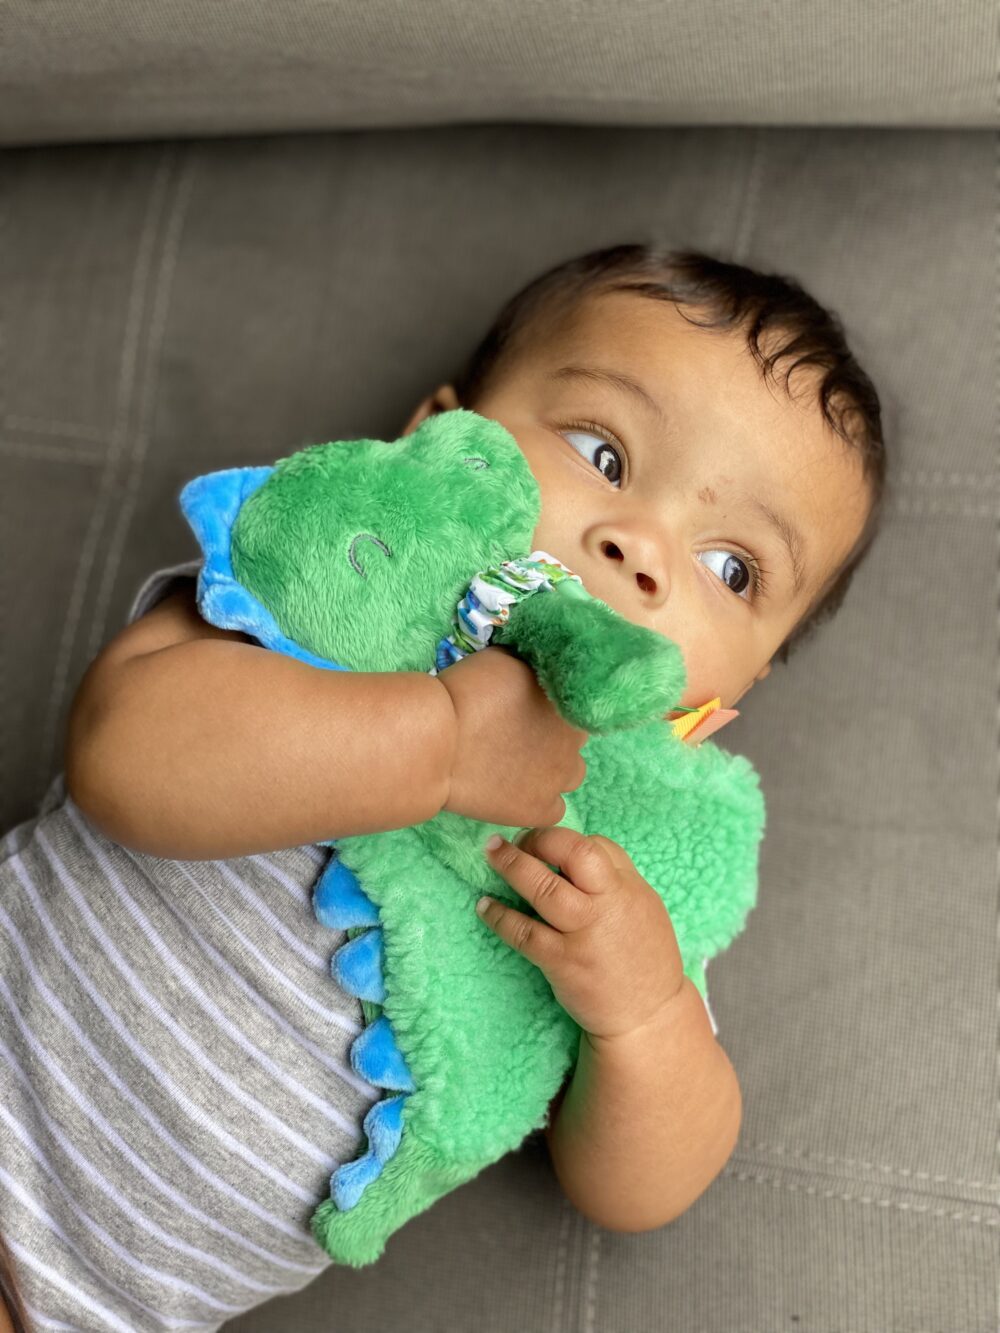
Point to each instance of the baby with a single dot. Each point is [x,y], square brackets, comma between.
[175,1050]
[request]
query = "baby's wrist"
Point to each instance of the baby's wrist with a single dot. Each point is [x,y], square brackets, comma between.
[445,727]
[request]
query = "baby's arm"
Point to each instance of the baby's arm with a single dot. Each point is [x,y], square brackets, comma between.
[191,742]
[648,1120]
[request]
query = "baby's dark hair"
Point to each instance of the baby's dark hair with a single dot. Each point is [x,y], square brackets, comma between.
[733,296]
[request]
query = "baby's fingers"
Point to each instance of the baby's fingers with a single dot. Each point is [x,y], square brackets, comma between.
[617,854]
[539,943]
[591,864]
[554,898]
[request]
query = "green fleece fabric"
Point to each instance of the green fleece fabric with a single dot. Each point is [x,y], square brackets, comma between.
[354,555]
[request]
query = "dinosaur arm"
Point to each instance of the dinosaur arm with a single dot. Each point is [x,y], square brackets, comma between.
[602,672]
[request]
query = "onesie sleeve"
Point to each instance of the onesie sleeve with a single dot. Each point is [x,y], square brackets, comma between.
[161,583]
[696,973]
[711,1016]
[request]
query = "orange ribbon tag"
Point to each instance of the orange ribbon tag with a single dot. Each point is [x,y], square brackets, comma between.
[709,718]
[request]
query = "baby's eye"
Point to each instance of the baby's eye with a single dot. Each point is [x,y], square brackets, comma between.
[731,575]
[604,456]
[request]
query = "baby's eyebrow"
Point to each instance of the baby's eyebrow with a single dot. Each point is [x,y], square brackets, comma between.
[786,530]
[789,534]
[619,380]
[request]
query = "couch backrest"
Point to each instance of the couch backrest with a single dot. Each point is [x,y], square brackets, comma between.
[121,70]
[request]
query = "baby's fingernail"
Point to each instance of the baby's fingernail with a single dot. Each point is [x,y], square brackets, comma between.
[493,842]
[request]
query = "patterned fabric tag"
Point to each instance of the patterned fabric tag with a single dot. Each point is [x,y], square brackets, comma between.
[491,595]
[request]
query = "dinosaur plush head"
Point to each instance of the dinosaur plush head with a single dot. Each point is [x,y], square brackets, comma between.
[364,555]
[361,549]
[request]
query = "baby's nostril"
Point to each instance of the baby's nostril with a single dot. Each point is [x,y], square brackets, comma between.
[366,537]
[644,581]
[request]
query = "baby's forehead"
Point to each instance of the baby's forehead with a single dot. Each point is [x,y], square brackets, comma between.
[678,356]
[657,343]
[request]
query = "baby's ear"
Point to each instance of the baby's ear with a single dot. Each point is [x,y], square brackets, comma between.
[445,399]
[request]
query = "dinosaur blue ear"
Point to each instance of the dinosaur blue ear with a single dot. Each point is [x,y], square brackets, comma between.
[211,503]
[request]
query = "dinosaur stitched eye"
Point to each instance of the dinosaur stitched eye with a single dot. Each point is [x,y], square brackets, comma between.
[480,463]
[366,537]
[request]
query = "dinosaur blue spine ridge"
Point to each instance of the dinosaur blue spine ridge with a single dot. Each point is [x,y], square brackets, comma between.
[340,903]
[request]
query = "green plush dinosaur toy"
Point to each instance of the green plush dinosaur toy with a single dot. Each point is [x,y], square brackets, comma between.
[369,555]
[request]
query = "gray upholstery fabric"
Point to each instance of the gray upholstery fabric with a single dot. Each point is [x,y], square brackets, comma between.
[121,70]
[175,307]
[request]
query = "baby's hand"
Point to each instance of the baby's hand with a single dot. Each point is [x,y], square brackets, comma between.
[514,754]
[609,951]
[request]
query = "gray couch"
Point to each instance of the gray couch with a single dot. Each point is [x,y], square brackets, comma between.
[321,208]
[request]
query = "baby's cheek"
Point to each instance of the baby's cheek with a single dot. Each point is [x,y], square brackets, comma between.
[702,682]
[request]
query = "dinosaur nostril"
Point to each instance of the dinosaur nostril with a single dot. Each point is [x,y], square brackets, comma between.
[479,462]
[366,537]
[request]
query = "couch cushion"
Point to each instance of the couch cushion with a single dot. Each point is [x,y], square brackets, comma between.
[135,71]
[177,307]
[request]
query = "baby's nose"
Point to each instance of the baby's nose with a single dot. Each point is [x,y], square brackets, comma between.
[645,581]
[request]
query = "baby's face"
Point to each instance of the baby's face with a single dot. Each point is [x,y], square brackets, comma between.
[648,496]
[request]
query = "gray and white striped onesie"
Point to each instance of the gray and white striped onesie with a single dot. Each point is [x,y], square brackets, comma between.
[175,1082]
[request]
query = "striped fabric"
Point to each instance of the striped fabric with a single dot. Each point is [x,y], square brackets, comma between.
[175,1085]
